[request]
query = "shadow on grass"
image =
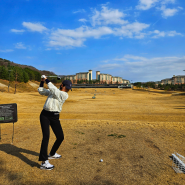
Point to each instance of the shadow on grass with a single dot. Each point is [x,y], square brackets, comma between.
[17,178]
[179,107]
[96,181]
[16,151]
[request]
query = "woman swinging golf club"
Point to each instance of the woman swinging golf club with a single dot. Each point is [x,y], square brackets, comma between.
[50,116]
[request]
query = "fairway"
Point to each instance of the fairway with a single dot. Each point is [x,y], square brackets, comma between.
[134,132]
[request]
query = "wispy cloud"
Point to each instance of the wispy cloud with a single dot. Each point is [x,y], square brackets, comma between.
[147,4]
[17,31]
[160,5]
[34,26]
[157,34]
[28,57]
[109,66]
[145,69]
[80,11]
[181,8]
[6,50]
[132,30]
[20,45]
[82,20]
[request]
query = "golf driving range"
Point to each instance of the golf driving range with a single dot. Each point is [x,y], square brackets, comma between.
[119,137]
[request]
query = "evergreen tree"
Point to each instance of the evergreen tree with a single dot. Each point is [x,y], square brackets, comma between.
[30,73]
[18,74]
[3,73]
[26,77]
[9,65]
[37,75]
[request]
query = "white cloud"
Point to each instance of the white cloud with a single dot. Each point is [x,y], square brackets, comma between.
[135,57]
[17,31]
[80,11]
[20,45]
[106,22]
[157,34]
[59,40]
[82,20]
[105,61]
[139,68]
[34,26]
[146,4]
[173,33]
[167,1]
[168,12]
[161,5]
[76,37]
[85,31]
[121,59]
[107,16]
[132,30]
[6,50]
[181,8]
[109,66]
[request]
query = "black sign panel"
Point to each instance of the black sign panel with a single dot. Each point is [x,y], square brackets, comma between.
[8,113]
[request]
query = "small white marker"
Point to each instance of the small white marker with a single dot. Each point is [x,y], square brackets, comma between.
[101,160]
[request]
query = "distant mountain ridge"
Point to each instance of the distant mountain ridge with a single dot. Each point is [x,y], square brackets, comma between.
[4,62]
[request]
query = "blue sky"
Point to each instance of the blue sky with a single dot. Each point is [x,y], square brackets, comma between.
[138,40]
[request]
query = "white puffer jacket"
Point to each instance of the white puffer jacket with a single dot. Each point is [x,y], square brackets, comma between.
[56,98]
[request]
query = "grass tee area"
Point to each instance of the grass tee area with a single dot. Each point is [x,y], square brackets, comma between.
[134,132]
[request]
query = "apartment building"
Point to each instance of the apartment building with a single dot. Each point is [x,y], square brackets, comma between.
[126,81]
[109,79]
[105,78]
[179,79]
[167,81]
[101,77]
[79,76]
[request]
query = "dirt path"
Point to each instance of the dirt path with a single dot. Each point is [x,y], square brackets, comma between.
[2,85]
[33,84]
[95,129]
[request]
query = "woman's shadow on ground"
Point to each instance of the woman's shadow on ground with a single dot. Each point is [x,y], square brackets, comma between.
[16,151]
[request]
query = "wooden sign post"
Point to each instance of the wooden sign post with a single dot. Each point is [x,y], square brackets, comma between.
[8,114]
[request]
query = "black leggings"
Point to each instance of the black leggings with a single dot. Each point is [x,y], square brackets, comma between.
[50,118]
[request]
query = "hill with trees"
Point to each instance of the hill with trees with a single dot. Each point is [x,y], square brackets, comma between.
[21,73]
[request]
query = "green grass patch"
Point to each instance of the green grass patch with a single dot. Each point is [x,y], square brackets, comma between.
[116,135]
[80,132]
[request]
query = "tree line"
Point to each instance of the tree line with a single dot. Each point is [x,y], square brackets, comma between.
[147,84]
[167,87]
[15,73]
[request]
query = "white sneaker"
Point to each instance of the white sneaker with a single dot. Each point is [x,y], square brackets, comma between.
[46,166]
[56,156]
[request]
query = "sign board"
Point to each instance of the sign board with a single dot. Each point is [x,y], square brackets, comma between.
[8,113]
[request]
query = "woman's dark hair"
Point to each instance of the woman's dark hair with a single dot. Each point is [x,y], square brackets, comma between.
[61,85]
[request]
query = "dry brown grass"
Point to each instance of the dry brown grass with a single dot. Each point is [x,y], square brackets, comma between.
[153,124]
